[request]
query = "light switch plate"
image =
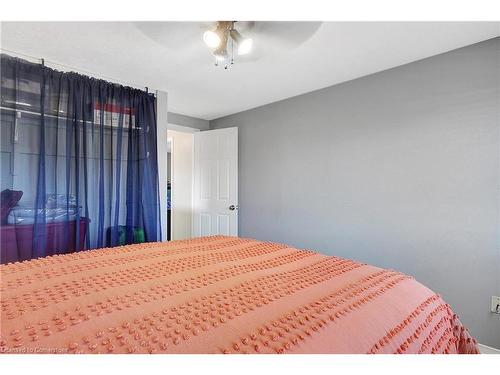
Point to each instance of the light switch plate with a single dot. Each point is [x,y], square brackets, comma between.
[495,304]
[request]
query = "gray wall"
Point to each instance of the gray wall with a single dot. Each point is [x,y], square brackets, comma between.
[192,122]
[399,169]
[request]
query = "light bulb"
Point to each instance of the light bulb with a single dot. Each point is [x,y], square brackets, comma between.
[245,46]
[220,56]
[211,39]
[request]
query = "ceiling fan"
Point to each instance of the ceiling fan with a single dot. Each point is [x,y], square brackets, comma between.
[244,41]
[221,39]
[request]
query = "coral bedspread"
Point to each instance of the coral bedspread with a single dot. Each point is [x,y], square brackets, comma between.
[219,295]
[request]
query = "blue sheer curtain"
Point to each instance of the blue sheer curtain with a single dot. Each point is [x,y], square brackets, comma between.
[83,154]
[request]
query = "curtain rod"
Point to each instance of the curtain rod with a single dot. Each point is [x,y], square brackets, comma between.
[44,61]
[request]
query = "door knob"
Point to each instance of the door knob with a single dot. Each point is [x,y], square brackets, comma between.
[233,207]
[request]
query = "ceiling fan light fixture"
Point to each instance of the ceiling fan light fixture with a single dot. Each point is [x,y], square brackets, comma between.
[221,39]
[211,39]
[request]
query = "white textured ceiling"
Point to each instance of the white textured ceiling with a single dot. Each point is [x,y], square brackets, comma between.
[171,56]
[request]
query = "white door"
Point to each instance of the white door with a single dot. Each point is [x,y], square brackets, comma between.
[215,185]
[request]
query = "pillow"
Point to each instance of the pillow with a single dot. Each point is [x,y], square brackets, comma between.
[9,199]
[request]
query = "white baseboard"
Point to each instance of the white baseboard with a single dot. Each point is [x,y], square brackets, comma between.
[484,349]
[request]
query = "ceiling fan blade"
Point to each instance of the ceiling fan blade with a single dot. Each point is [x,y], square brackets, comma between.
[287,33]
[273,37]
[178,36]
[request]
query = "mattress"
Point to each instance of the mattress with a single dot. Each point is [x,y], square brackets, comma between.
[220,295]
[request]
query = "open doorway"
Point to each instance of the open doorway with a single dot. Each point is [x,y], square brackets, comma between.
[179,182]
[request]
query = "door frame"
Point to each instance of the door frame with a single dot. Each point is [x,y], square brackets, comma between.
[182,129]
[170,223]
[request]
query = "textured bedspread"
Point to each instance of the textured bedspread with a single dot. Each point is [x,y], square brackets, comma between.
[219,295]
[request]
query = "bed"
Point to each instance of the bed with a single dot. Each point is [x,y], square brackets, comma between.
[219,295]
